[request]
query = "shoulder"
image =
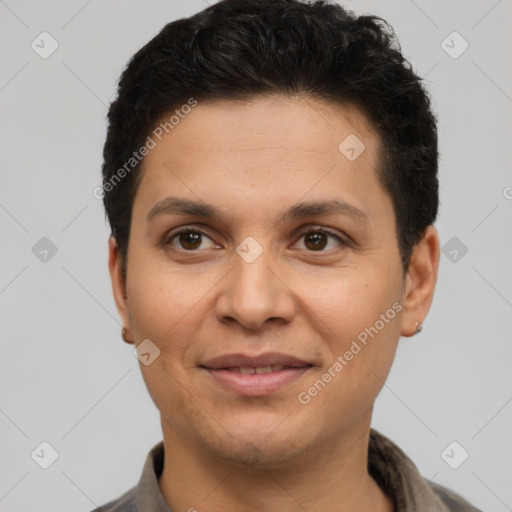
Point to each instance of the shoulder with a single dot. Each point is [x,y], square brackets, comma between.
[125,503]
[452,500]
[400,479]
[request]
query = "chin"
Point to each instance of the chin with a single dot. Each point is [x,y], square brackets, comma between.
[253,455]
[260,446]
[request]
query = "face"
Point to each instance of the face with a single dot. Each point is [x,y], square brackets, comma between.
[254,233]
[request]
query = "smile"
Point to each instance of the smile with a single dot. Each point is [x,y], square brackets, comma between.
[256,381]
[258,369]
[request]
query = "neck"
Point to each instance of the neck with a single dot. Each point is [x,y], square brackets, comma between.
[330,478]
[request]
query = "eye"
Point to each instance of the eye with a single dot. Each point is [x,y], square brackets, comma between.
[188,239]
[317,239]
[192,240]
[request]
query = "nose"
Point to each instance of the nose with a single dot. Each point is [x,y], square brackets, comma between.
[254,293]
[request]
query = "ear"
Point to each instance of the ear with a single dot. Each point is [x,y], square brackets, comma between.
[420,281]
[119,286]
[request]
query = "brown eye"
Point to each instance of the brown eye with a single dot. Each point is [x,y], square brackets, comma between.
[317,240]
[188,240]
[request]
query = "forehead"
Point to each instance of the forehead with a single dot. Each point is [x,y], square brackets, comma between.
[272,148]
[269,122]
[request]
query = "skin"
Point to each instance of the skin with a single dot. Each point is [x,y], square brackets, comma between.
[253,160]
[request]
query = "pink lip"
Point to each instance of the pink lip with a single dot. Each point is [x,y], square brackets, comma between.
[244,360]
[256,384]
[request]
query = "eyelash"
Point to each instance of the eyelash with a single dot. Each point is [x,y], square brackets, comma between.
[192,229]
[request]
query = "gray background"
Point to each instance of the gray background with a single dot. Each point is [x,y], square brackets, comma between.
[69,380]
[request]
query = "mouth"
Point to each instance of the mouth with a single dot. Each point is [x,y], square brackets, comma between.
[255,376]
[260,370]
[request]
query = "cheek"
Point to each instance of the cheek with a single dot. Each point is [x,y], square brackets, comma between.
[346,301]
[360,358]
[165,307]
[359,321]
[162,298]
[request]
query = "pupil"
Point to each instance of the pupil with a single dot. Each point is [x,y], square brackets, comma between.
[318,240]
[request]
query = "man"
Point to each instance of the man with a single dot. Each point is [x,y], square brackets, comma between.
[270,178]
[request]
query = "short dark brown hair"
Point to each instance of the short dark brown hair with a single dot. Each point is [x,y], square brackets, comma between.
[240,49]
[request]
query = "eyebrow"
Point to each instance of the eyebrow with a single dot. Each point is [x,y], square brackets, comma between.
[179,206]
